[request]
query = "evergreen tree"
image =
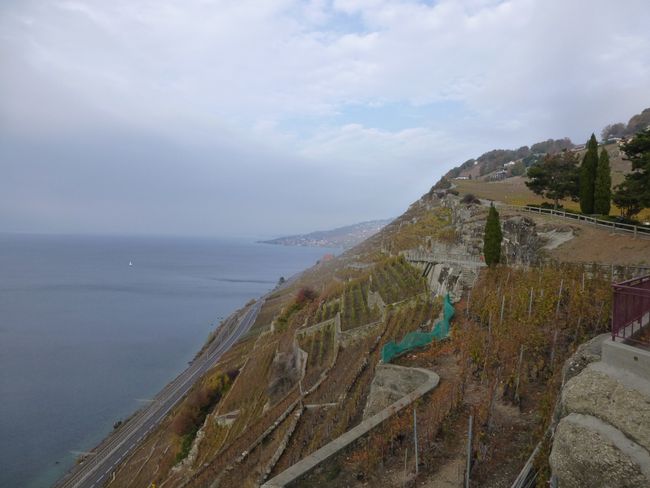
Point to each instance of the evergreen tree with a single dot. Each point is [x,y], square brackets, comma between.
[627,197]
[603,185]
[633,195]
[492,238]
[556,177]
[588,176]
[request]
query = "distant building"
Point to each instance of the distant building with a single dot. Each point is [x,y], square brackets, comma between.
[502,174]
[462,178]
[511,163]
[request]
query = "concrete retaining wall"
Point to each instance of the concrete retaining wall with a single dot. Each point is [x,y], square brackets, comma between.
[626,357]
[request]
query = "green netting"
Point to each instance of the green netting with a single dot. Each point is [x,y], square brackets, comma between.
[419,339]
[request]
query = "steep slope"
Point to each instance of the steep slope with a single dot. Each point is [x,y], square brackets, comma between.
[303,375]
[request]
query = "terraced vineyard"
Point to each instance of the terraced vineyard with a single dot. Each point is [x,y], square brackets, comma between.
[356,311]
[251,384]
[320,347]
[248,473]
[519,328]
[327,310]
[421,225]
[337,403]
[409,317]
[396,280]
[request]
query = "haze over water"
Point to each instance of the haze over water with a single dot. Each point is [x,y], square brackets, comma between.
[85,338]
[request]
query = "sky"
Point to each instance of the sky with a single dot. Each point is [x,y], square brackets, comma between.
[261,118]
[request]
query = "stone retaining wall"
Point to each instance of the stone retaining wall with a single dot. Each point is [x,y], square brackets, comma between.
[304,466]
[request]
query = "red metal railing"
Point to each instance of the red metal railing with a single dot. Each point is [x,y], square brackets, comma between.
[631,310]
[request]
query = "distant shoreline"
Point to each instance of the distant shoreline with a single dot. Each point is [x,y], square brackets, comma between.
[339,238]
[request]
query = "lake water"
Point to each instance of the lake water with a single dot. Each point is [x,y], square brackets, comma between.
[85,338]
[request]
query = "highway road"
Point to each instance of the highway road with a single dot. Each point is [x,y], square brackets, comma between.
[98,467]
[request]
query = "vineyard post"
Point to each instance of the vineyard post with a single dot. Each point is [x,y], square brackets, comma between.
[493,394]
[530,303]
[521,358]
[553,348]
[559,299]
[469,452]
[487,346]
[469,298]
[503,304]
[415,438]
[600,313]
[406,452]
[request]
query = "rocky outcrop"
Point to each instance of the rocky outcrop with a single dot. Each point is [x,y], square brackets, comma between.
[602,437]
[587,353]
[588,452]
[521,243]
[598,394]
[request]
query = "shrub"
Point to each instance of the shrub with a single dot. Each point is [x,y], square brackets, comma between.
[306,294]
[470,199]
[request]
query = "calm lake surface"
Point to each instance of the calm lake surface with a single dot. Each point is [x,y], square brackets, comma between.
[85,338]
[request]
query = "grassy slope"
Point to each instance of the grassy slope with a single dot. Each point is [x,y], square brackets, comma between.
[514,191]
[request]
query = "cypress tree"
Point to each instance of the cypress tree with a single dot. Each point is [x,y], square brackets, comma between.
[588,176]
[603,185]
[492,238]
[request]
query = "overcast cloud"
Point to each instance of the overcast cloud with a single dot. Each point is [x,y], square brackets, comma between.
[259,118]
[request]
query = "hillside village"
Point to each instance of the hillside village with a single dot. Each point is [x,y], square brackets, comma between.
[311,397]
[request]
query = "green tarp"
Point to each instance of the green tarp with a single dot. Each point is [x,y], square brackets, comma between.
[419,339]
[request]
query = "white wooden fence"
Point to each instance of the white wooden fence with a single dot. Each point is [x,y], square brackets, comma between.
[635,230]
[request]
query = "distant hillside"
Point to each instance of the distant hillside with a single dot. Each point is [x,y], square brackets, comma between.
[503,159]
[497,158]
[344,237]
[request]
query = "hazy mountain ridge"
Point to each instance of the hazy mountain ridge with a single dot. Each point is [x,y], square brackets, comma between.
[344,237]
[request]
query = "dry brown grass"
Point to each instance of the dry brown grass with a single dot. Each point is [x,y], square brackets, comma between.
[514,191]
[592,244]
